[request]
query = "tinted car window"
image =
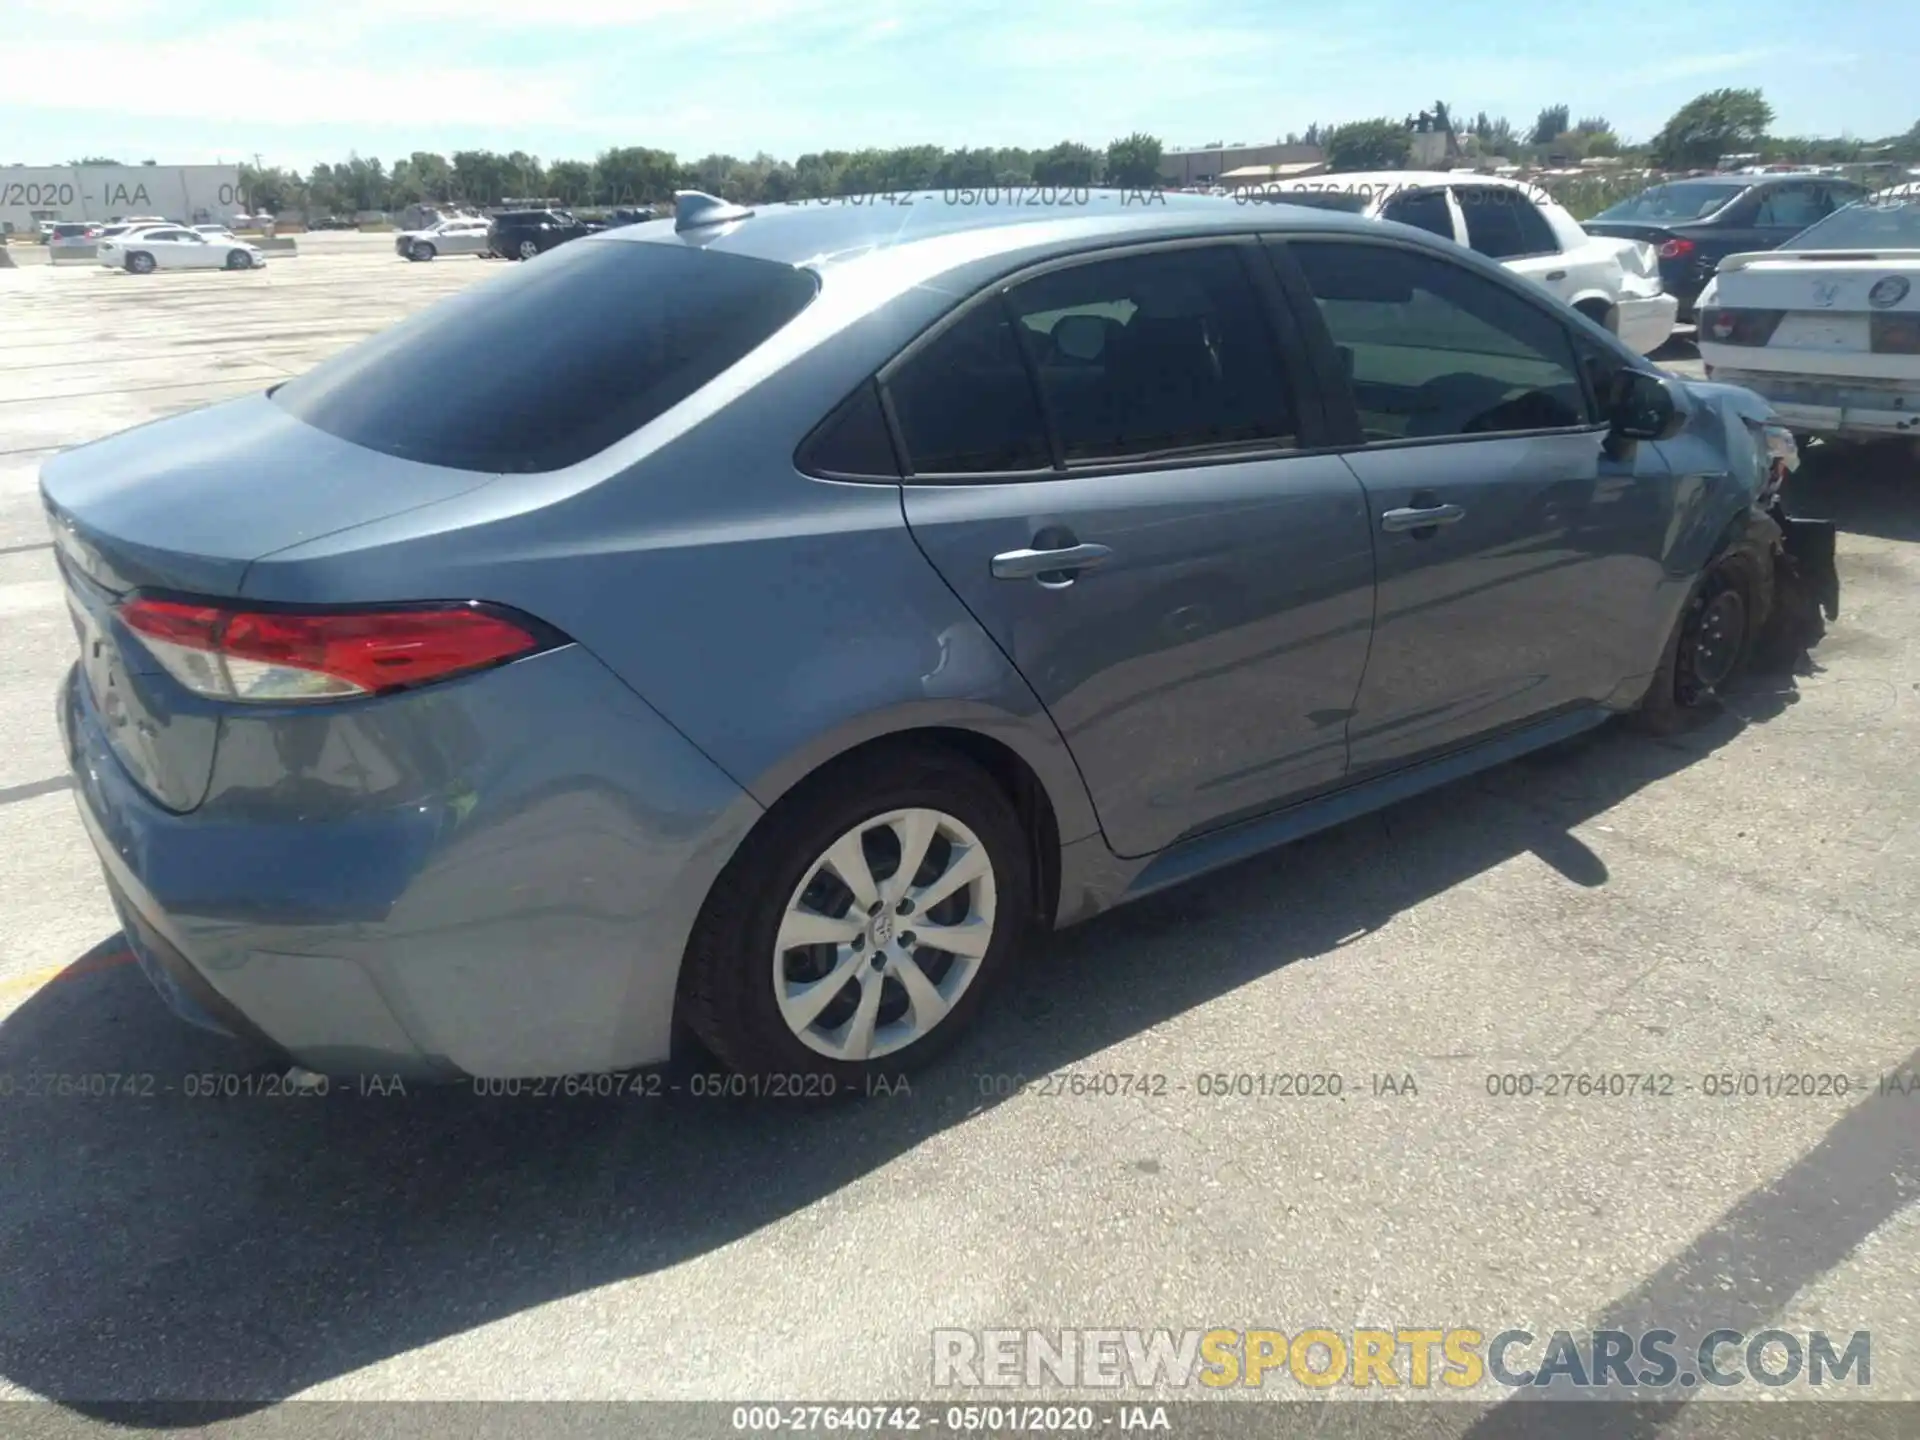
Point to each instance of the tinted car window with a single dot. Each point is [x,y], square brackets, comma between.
[1427,211]
[1865,225]
[965,403]
[1680,201]
[1152,354]
[551,362]
[1503,223]
[852,441]
[1793,206]
[1434,349]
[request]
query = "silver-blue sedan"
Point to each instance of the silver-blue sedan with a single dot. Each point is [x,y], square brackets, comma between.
[765,622]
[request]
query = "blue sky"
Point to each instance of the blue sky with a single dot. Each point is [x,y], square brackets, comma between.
[186,81]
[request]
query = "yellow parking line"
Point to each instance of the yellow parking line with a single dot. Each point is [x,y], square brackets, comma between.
[71,971]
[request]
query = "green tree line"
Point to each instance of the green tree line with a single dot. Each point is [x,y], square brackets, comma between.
[637,175]
[1720,122]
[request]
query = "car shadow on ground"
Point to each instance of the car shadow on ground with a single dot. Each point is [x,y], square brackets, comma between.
[242,1249]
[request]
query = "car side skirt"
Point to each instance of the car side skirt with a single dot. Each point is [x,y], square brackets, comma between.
[1093,879]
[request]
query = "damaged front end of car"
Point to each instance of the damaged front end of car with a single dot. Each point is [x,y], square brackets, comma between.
[1799,553]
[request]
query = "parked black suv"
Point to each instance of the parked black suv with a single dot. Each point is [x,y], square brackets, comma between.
[1695,223]
[523,234]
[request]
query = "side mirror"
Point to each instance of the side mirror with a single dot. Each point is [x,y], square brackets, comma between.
[1644,407]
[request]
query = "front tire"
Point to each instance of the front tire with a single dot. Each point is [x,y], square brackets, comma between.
[239,260]
[1710,646]
[420,250]
[860,928]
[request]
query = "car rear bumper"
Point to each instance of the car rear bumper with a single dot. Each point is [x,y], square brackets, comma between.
[1833,405]
[1646,322]
[493,877]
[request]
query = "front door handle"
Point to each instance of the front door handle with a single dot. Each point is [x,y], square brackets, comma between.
[1052,568]
[1424,518]
[1556,275]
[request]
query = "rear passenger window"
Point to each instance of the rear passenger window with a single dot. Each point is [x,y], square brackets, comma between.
[1434,349]
[852,442]
[1503,223]
[550,363]
[1154,355]
[965,402]
[1795,205]
[1427,211]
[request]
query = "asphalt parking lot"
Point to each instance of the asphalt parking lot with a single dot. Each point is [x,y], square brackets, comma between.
[1742,899]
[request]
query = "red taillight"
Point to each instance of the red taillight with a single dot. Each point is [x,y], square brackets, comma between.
[1738,327]
[1894,334]
[278,656]
[1676,248]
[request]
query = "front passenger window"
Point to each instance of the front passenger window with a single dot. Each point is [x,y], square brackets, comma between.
[1434,349]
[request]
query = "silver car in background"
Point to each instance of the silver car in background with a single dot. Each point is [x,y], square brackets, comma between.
[462,235]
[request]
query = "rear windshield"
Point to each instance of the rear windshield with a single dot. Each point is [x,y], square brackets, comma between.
[553,361]
[1892,224]
[1682,200]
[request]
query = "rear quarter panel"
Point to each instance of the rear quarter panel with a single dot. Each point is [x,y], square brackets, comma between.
[774,619]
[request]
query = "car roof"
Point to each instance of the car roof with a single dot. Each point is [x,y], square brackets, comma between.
[1397,180]
[822,233]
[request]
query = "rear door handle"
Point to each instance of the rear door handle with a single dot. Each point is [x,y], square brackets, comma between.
[1060,564]
[1422,519]
[1556,275]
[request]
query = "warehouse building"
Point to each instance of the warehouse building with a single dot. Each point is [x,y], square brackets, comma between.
[186,194]
[1210,165]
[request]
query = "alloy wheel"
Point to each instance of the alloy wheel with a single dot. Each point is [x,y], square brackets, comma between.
[884,934]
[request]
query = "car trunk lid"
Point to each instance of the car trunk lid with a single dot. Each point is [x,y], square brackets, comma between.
[187,503]
[1827,300]
[184,506]
[1654,235]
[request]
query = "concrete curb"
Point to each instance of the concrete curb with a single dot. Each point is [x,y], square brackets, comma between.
[6,258]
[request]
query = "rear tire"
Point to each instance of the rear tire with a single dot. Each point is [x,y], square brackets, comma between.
[529,249]
[1709,648]
[745,994]
[139,262]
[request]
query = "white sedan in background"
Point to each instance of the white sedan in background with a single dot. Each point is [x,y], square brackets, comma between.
[1615,282]
[460,235]
[1827,327]
[174,247]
